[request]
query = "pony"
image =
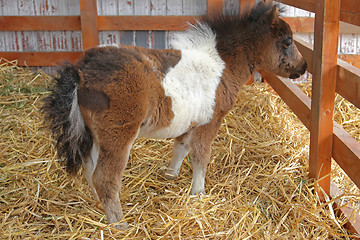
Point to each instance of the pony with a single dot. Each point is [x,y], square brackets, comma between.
[115,94]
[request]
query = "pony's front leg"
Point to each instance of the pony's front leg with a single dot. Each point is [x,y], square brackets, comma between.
[201,152]
[180,151]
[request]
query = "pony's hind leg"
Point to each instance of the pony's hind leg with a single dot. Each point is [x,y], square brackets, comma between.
[180,151]
[89,166]
[115,144]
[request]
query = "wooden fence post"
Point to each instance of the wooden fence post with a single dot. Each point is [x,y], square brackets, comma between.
[214,5]
[327,15]
[89,24]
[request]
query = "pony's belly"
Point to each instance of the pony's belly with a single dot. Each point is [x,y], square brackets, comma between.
[172,131]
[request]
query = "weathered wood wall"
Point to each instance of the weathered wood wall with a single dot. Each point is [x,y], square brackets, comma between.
[71,40]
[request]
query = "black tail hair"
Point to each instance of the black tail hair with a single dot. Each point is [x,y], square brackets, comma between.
[62,115]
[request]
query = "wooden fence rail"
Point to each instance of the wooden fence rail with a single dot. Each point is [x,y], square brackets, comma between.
[330,74]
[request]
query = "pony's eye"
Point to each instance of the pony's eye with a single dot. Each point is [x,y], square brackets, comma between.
[287,42]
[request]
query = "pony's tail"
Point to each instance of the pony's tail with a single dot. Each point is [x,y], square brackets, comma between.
[62,114]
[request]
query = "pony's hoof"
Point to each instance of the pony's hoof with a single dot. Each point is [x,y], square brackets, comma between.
[121,226]
[169,175]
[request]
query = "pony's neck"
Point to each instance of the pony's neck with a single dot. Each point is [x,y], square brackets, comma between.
[242,55]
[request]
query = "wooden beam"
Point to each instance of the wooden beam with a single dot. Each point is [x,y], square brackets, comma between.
[109,23]
[348,76]
[323,92]
[300,24]
[346,150]
[214,6]
[353,59]
[346,153]
[348,82]
[292,95]
[171,23]
[308,5]
[89,24]
[346,210]
[39,23]
[350,12]
[40,59]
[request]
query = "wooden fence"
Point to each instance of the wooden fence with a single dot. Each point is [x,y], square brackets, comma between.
[330,74]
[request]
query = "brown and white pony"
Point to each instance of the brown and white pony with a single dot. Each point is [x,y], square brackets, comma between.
[115,94]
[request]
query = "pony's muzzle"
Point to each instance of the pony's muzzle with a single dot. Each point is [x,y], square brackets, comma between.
[299,70]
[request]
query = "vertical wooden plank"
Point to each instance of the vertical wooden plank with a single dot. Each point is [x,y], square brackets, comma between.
[110,37]
[157,40]
[126,7]
[10,8]
[26,7]
[43,7]
[59,8]
[108,7]
[44,41]
[231,7]
[142,7]
[188,7]
[215,6]
[89,25]
[142,38]
[127,38]
[29,41]
[198,7]
[323,92]
[347,44]
[158,7]
[2,7]
[2,42]
[174,7]
[76,41]
[73,8]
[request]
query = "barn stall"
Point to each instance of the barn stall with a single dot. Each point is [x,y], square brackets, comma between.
[258,184]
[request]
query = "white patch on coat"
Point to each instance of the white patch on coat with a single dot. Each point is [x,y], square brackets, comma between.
[90,165]
[192,83]
[77,125]
[108,45]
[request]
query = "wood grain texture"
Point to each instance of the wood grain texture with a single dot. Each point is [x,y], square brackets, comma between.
[323,92]
[169,23]
[345,151]
[292,95]
[346,210]
[348,82]
[353,59]
[89,25]
[35,59]
[350,11]
[39,23]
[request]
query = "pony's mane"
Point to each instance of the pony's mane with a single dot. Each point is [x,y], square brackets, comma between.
[204,32]
[220,22]
[199,36]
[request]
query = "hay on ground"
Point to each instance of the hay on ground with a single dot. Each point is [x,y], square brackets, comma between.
[257,184]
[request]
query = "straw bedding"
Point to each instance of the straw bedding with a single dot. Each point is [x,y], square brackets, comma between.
[256,187]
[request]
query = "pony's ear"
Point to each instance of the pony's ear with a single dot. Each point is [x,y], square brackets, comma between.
[270,16]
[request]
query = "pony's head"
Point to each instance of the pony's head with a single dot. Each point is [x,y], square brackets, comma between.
[280,54]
